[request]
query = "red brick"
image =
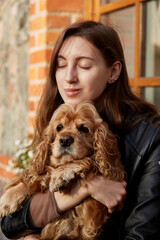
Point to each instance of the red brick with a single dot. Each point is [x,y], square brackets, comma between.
[32,74]
[50,21]
[42,72]
[36,90]
[32,9]
[48,37]
[61,5]
[6,174]
[31,106]
[55,21]
[32,41]
[38,23]
[4,159]
[41,56]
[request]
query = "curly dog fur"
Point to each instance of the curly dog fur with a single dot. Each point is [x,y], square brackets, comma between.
[76,145]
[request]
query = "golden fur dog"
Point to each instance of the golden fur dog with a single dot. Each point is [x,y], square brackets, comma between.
[76,145]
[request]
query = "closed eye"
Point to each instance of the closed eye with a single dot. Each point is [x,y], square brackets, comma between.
[61,62]
[59,127]
[83,129]
[86,68]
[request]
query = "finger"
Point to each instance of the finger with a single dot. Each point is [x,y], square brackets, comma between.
[111,210]
[124,183]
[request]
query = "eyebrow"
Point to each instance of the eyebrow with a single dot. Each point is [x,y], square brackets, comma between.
[77,58]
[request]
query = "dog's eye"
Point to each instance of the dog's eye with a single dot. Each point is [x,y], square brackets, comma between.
[59,127]
[83,129]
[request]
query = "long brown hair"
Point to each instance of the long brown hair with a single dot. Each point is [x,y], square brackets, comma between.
[117,100]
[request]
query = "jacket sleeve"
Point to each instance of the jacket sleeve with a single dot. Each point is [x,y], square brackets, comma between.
[142,212]
[16,225]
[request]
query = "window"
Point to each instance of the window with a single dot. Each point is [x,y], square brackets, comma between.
[138,25]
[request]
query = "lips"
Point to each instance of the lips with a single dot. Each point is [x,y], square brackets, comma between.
[72,92]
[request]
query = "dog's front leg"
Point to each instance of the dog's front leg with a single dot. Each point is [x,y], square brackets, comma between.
[12,199]
[62,176]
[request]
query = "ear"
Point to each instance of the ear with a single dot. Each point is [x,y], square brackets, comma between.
[43,151]
[115,72]
[107,155]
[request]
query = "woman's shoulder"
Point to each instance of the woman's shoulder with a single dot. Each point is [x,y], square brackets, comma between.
[151,119]
[140,144]
[144,133]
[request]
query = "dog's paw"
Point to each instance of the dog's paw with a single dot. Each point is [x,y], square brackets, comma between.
[61,179]
[56,186]
[12,199]
[6,207]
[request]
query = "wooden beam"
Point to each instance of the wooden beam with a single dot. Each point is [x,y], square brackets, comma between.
[88,9]
[148,82]
[96,10]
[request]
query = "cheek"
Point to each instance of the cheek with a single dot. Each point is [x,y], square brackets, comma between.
[59,77]
[98,77]
[96,85]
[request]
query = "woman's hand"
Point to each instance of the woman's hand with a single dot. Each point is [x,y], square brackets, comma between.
[110,193]
[32,237]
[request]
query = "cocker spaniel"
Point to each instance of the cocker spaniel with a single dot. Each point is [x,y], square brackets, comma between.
[76,145]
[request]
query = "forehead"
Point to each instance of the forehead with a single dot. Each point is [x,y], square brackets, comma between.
[78,46]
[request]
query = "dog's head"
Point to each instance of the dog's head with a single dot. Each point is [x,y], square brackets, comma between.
[72,132]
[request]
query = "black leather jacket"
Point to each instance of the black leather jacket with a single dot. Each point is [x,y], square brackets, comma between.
[140,219]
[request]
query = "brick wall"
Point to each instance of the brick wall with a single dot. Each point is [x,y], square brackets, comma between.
[47,18]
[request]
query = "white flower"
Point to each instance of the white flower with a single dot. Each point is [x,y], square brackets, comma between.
[30,154]
[17,170]
[19,152]
[25,162]
[22,155]
[8,168]
[10,163]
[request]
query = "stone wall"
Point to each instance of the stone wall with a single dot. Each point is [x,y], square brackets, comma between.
[14,37]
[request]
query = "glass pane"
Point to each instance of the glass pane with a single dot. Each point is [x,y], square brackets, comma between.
[123,21]
[150,39]
[103,2]
[151,94]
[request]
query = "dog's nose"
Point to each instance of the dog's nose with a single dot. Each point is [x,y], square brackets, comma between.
[66,140]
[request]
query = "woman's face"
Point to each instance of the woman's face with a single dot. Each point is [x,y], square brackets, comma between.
[81,72]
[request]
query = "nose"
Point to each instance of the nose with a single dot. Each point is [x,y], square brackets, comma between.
[71,74]
[66,140]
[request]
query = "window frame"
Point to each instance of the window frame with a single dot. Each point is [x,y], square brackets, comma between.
[93,11]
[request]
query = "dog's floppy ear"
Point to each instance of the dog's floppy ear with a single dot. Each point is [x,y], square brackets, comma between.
[43,151]
[107,155]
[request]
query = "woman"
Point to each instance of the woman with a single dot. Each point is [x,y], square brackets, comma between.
[88,64]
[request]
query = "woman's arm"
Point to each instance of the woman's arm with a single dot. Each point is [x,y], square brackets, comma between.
[44,208]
